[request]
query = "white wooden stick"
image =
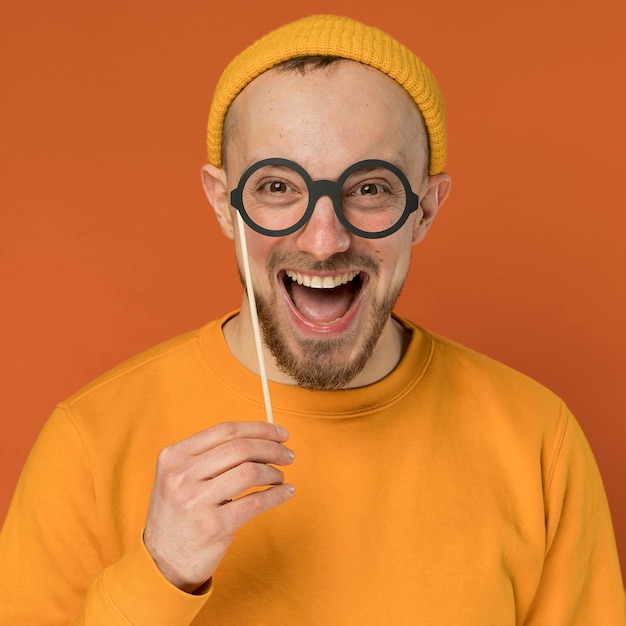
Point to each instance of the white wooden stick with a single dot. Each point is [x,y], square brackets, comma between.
[255,320]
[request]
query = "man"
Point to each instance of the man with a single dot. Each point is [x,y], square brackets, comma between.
[433,485]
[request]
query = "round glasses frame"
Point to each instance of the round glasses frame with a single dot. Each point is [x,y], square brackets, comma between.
[319,188]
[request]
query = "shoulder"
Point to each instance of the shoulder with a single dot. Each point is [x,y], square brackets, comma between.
[498,411]
[462,365]
[477,386]
[163,355]
[156,397]
[168,372]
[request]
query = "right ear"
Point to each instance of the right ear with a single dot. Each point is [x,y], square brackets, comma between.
[216,190]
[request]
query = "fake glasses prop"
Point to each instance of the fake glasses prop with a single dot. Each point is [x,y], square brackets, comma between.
[277,197]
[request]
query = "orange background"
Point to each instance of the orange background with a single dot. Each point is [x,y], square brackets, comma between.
[107,245]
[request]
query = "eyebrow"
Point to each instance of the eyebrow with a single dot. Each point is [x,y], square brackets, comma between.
[284,167]
[276,166]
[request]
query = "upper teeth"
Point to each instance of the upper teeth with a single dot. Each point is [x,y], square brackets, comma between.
[317,282]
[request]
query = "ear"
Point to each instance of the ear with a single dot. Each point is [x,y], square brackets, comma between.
[216,190]
[434,193]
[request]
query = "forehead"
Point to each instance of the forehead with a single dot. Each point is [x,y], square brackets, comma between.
[324,118]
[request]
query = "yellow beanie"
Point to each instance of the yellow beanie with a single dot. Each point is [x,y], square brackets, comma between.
[341,37]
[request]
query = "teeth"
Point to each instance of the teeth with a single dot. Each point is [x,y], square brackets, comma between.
[317,282]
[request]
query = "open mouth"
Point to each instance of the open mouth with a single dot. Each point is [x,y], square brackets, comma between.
[322,299]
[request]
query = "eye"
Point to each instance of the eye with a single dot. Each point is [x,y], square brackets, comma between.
[368,189]
[276,187]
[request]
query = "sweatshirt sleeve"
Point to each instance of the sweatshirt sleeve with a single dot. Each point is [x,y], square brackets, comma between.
[581,581]
[51,565]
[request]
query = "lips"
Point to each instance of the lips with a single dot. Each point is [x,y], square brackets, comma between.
[322,299]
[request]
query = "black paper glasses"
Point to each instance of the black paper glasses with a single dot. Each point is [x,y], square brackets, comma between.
[372,198]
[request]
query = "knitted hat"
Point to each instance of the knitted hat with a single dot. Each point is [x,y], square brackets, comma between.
[341,37]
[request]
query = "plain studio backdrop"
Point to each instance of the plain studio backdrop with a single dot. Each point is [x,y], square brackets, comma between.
[107,245]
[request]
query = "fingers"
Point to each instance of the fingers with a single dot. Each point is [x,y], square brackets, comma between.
[228,431]
[225,451]
[218,453]
[234,453]
[239,480]
[240,511]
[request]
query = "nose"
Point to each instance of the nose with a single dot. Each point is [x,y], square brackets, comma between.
[323,235]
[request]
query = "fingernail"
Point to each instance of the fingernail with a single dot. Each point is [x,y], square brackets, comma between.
[290,455]
[290,488]
[283,432]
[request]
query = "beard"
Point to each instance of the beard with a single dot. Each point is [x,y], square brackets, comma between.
[322,364]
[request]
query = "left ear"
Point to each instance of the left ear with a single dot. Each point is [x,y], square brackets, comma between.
[434,193]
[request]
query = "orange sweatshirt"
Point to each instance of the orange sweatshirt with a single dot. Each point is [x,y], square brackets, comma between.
[454,491]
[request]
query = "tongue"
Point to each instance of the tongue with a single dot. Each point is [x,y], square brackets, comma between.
[322,305]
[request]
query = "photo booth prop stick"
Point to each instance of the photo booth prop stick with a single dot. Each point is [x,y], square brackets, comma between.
[255,320]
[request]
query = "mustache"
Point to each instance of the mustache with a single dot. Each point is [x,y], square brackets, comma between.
[342,261]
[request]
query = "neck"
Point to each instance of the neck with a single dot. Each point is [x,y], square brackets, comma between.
[388,351]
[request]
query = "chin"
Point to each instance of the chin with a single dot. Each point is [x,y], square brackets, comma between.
[324,356]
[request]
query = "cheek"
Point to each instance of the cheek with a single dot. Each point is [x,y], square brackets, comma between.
[394,259]
[259,251]
[401,267]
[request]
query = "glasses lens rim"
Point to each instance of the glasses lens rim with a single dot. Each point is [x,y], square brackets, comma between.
[319,188]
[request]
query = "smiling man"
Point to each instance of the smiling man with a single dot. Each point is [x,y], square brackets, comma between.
[433,485]
[325,292]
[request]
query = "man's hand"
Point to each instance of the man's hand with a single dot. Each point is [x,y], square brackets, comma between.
[194,507]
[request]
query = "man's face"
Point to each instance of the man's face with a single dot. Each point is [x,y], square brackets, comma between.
[325,295]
